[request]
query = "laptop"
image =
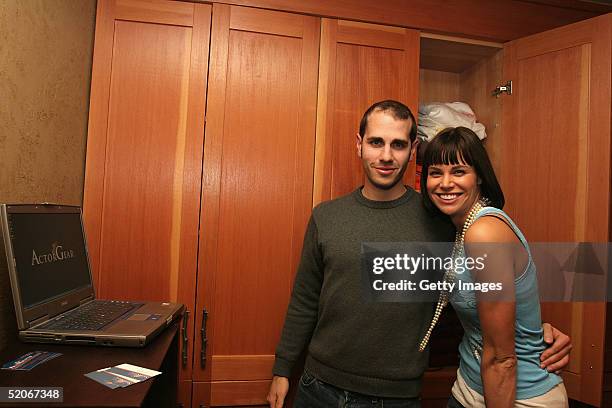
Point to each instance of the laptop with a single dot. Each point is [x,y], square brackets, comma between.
[52,286]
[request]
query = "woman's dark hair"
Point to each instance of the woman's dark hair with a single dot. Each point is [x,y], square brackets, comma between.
[461,145]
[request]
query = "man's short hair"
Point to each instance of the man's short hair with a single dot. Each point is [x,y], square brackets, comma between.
[398,110]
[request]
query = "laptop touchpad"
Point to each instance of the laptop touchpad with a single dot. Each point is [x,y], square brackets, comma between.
[138,316]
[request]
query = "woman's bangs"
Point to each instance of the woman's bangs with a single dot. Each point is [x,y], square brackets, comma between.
[447,153]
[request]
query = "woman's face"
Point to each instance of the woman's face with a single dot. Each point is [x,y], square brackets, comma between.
[453,188]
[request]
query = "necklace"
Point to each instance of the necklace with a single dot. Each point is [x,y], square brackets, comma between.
[449,274]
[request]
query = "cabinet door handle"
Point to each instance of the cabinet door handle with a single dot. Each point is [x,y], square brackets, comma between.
[204,339]
[185,338]
[506,88]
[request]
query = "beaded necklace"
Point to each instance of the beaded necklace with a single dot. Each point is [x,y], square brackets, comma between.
[449,274]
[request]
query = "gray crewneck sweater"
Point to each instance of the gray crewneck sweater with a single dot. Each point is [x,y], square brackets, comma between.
[365,347]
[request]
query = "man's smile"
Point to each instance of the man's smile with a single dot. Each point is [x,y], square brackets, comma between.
[385,170]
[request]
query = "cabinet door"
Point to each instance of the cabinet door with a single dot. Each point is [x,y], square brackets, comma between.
[144,150]
[257,193]
[359,64]
[556,165]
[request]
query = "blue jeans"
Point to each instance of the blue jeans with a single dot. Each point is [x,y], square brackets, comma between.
[314,393]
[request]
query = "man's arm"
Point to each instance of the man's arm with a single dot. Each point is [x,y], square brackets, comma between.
[556,356]
[301,318]
[278,391]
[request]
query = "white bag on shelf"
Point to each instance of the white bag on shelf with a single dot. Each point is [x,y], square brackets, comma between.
[434,117]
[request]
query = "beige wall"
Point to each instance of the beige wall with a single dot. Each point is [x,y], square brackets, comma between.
[45,70]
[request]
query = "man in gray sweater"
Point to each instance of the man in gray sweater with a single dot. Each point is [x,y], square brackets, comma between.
[364,353]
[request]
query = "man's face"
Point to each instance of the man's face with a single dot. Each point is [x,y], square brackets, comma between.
[384,151]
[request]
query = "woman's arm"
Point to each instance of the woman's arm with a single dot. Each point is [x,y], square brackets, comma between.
[498,360]
[492,239]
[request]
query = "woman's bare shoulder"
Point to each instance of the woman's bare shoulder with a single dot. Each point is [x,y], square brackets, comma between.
[489,228]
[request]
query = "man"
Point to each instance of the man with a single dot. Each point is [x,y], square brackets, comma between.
[360,352]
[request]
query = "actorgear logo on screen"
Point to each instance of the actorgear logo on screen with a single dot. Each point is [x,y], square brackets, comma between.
[57,253]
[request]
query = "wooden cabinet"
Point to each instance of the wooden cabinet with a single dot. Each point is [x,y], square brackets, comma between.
[559,119]
[256,193]
[144,152]
[215,128]
[550,144]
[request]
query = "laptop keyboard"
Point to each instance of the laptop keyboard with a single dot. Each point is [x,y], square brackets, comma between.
[91,316]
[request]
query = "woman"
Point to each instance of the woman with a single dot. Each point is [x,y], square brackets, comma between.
[499,354]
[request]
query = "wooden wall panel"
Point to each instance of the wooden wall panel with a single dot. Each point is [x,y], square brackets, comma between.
[241,367]
[357,69]
[257,189]
[144,124]
[260,148]
[184,394]
[495,20]
[475,88]
[144,156]
[556,165]
[438,86]
[541,145]
[454,54]
[162,12]
[231,393]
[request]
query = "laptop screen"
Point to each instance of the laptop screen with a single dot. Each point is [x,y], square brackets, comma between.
[50,255]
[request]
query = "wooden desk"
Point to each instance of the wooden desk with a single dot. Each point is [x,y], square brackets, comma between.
[68,371]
